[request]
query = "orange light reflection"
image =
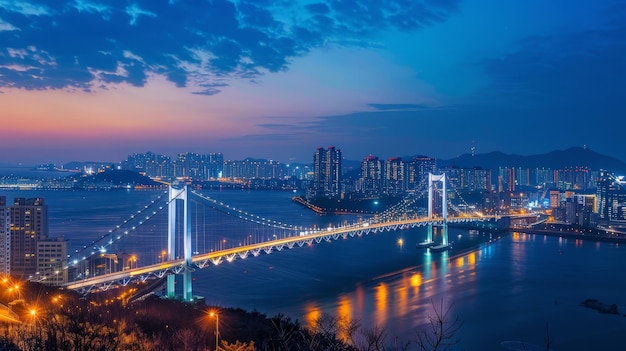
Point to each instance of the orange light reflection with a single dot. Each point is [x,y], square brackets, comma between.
[312,314]
[381,296]
[344,313]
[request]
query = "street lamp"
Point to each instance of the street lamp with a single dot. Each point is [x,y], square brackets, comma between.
[217,328]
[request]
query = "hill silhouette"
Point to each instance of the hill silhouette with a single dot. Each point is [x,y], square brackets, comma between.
[558,159]
[116,177]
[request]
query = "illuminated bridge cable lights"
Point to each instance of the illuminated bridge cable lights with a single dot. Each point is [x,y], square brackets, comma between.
[111,235]
[244,215]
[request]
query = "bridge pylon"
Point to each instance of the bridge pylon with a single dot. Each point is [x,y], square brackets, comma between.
[178,194]
[444,208]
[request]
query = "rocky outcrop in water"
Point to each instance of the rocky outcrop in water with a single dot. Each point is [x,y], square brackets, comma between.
[600,306]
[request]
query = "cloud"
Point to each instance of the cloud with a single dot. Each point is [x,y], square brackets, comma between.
[384,107]
[89,44]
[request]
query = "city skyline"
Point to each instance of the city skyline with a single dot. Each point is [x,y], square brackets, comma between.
[90,81]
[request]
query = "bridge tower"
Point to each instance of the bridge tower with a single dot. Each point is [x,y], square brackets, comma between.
[444,206]
[178,195]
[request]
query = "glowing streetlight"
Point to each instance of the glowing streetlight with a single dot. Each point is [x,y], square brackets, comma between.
[217,328]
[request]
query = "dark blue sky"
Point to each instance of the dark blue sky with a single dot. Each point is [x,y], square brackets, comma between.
[98,80]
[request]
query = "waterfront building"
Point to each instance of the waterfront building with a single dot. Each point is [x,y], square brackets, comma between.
[5,239]
[417,172]
[371,176]
[199,166]
[190,165]
[327,177]
[28,224]
[602,191]
[395,176]
[579,209]
[610,198]
[574,178]
[469,179]
[253,168]
[51,260]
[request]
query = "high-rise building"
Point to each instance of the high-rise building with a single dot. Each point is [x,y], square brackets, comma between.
[51,259]
[371,176]
[29,224]
[326,173]
[469,178]
[417,172]
[604,186]
[611,198]
[510,179]
[253,169]
[5,243]
[395,176]
[192,165]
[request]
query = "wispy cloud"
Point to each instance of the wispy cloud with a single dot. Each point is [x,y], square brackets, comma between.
[384,107]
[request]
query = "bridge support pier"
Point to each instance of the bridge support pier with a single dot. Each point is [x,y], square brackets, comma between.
[178,193]
[444,205]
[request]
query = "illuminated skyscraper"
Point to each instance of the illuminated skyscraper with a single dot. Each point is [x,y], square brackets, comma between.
[327,173]
[29,224]
[602,191]
[371,176]
[5,243]
[395,176]
[417,172]
[611,198]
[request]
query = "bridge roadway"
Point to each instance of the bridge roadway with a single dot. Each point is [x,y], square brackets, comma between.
[216,257]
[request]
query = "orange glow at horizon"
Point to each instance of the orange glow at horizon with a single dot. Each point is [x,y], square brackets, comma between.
[123,111]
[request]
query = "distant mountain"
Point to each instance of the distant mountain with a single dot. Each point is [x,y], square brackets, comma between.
[559,159]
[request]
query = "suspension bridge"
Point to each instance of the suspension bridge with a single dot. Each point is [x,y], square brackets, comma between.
[187,246]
